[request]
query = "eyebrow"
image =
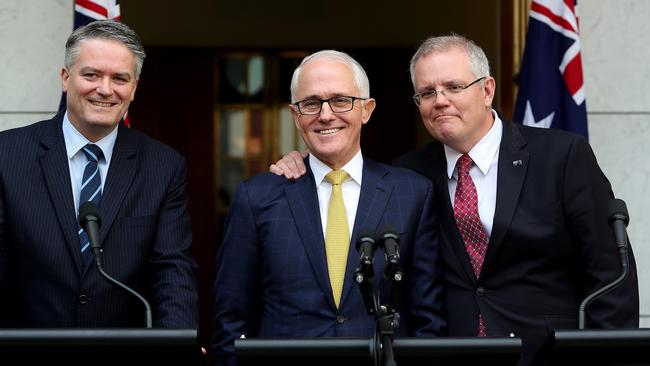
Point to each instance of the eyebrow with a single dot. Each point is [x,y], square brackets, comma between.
[124,75]
[314,96]
[430,86]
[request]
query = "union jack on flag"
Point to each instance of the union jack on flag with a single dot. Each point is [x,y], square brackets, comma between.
[551,87]
[87,11]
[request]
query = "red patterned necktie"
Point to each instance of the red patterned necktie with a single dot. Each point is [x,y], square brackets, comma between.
[468,221]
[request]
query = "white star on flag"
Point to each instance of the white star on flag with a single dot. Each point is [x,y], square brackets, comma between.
[529,118]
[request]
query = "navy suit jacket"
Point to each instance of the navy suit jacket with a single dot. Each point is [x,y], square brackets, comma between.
[272,279]
[145,234]
[550,246]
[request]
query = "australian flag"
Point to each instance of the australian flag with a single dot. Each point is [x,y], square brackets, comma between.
[87,11]
[551,87]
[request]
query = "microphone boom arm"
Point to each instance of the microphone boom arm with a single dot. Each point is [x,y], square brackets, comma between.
[610,286]
[100,268]
[618,220]
[90,220]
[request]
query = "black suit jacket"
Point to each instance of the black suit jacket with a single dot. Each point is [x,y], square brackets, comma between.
[145,234]
[550,245]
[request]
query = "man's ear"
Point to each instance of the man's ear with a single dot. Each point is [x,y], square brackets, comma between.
[489,89]
[65,77]
[367,109]
[295,115]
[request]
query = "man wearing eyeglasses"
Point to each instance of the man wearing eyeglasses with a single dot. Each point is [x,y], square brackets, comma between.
[287,262]
[542,206]
[523,211]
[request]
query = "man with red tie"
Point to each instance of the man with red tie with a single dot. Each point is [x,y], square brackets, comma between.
[523,211]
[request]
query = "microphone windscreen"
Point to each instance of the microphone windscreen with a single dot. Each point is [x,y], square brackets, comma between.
[388,232]
[365,236]
[88,210]
[618,211]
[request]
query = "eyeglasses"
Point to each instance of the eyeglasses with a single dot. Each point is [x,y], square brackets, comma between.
[450,92]
[338,104]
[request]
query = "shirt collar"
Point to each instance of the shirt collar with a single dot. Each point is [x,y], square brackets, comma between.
[354,168]
[75,141]
[482,153]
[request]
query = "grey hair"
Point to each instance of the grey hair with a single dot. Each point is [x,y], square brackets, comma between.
[360,76]
[478,62]
[108,30]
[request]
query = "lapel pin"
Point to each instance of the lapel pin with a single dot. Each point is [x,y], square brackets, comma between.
[517,163]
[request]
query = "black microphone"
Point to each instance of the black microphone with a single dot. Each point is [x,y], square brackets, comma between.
[389,243]
[364,276]
[366,246]
[618,220]
[90,221]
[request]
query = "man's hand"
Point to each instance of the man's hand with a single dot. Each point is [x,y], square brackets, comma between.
[291,165]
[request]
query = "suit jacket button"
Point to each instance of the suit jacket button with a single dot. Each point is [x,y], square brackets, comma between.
[480,291]
[340,319]
[83,298]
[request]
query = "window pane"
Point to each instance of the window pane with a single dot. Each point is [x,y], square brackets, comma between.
[256,135]
[232,80]
[255,90]
[233,134]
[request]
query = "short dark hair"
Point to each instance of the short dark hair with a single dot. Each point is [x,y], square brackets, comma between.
[109,30]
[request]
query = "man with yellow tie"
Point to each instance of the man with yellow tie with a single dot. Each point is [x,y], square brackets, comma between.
[285,267]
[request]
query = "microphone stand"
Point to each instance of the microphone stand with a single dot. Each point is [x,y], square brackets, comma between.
[90,221]
[622,251]
[618,220]
[97,253]
[386,316]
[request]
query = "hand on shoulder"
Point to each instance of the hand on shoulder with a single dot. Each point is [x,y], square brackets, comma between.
[291,165]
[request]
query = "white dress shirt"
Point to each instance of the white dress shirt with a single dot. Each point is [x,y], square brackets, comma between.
[351,187]
[485,155]
[74,142]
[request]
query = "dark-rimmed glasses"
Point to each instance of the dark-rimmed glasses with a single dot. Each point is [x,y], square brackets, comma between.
[448,91]
[338,104]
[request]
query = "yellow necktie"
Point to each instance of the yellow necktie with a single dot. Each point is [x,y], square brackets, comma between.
[337,234]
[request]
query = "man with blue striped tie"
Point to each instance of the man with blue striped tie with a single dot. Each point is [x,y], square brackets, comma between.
[91,191]
[50,168]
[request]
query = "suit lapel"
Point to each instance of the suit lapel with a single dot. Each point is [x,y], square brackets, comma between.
[373,199]
[56,172]
[513,164]
[438,173]
[118,180]
[303,203]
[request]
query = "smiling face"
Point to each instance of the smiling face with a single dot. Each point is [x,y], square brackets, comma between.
[462,122]
[334,138]
[100,85]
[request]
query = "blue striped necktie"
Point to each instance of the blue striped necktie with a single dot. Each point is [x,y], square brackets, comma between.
[91,190]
